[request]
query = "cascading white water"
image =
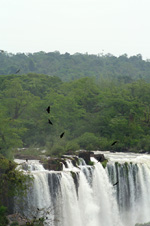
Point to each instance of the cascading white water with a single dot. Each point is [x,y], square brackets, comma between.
[84,195]
[132,171]
[104,197]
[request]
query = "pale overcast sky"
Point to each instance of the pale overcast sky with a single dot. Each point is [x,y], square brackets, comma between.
[93,26]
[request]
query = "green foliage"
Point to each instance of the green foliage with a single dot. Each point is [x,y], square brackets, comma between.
[32,150]
[12,181]
[15,223]
[122,69]
[93,112]
[89,141]
[9,134]
[56,150]
[36,222]
[72,146]
[144,143]
[104,143]
[104,163]
[3,218]
[91,163]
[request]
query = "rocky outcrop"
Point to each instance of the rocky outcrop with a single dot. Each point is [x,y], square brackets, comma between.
[57,163]
[100,157]
[53,164]
[86,156]
[16,218]
[28,157]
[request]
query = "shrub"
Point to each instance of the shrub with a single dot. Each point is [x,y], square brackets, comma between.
[57,150]
[72,146]
[15,223]
[3,219]
[88,141]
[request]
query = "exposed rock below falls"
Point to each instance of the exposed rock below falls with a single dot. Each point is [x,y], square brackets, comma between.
[53,164]
[56,164]
[86,156]
[100,157]
[16,217]
[29,157]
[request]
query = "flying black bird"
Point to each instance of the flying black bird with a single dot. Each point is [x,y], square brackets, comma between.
[48,109]
[17,71]
[38,209]
[116,183]
[114,143]
[61,135]
[49,121]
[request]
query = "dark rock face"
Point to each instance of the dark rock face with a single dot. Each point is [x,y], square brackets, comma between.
[57,163]
[16,217]
[142,151]
[53,164]
[86,156]
[28,157]
[100,157]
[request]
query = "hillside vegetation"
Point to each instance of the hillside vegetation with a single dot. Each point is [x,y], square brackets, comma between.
[92,113]
[70,67]
[95,100]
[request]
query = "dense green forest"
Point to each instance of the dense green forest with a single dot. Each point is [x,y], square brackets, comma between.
[95,100]
[70,67]
[93,111]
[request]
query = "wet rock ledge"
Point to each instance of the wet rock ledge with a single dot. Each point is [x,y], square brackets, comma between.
[56,164]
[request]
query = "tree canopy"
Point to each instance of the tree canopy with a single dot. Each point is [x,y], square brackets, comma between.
[69,67]
[92,113]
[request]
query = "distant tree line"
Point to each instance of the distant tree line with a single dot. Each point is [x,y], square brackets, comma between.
[69,67]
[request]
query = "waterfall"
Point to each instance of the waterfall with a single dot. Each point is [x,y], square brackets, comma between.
[105,198]
[132,171]
[85,195]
